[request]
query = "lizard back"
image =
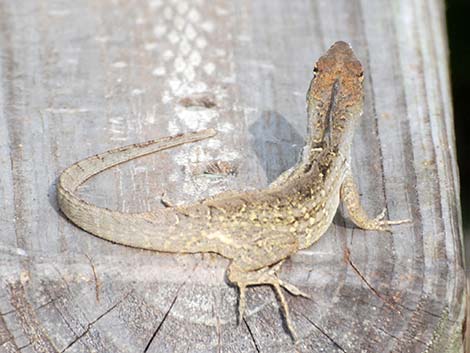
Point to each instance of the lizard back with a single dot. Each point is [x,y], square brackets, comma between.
[259,227]
[207,226]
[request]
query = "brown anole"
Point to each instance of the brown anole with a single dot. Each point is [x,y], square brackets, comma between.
[256,230]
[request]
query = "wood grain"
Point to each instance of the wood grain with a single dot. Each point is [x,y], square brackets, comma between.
[79,77]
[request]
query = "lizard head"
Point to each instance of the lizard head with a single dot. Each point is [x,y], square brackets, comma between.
[335,97]
[339,60]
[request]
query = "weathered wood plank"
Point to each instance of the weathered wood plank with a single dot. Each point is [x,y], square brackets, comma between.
[81,77]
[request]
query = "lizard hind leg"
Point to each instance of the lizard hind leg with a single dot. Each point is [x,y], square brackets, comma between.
[263,276]
[350,197]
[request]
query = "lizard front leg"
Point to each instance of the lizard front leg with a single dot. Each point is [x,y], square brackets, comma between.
[351,199]
[263,276]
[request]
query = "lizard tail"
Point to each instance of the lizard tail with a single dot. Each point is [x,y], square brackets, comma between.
[131,229]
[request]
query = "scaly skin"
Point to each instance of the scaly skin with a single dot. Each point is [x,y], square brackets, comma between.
[257,230]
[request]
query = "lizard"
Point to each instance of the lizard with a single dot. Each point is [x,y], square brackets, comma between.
[256,230]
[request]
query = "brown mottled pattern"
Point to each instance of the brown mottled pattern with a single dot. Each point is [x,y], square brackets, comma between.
[260,229]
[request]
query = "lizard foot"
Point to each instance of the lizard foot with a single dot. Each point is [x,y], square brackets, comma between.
[379,223]
[264,276]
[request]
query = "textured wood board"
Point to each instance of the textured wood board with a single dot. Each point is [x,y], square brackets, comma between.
[81,77]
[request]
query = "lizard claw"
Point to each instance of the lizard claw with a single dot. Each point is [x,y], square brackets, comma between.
[287,286]
[241,303]
[264,276]
[401,221]
[293,289]
[285,309]
[380,216]
[381,224]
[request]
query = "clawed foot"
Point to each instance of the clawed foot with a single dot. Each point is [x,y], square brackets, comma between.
[381,224]
[264,276]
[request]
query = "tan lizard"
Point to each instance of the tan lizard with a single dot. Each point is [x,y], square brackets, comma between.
[256,230]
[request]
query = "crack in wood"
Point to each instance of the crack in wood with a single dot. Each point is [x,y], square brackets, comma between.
[24,346]
[91,323]
[30,324]
[47,303]
[61,314]
[7,340]
[347,258]
[161,322]
[169,309]
[396,337]
[391,303]
[251,335]
[7,312]
[9,347]
[388,302]
[336,344]
[422,310]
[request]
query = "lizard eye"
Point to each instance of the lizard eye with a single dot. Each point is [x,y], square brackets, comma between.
[315,69]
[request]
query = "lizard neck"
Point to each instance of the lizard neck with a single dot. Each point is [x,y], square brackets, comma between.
[312,197]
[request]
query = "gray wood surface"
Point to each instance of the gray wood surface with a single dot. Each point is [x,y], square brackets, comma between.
[79,77]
